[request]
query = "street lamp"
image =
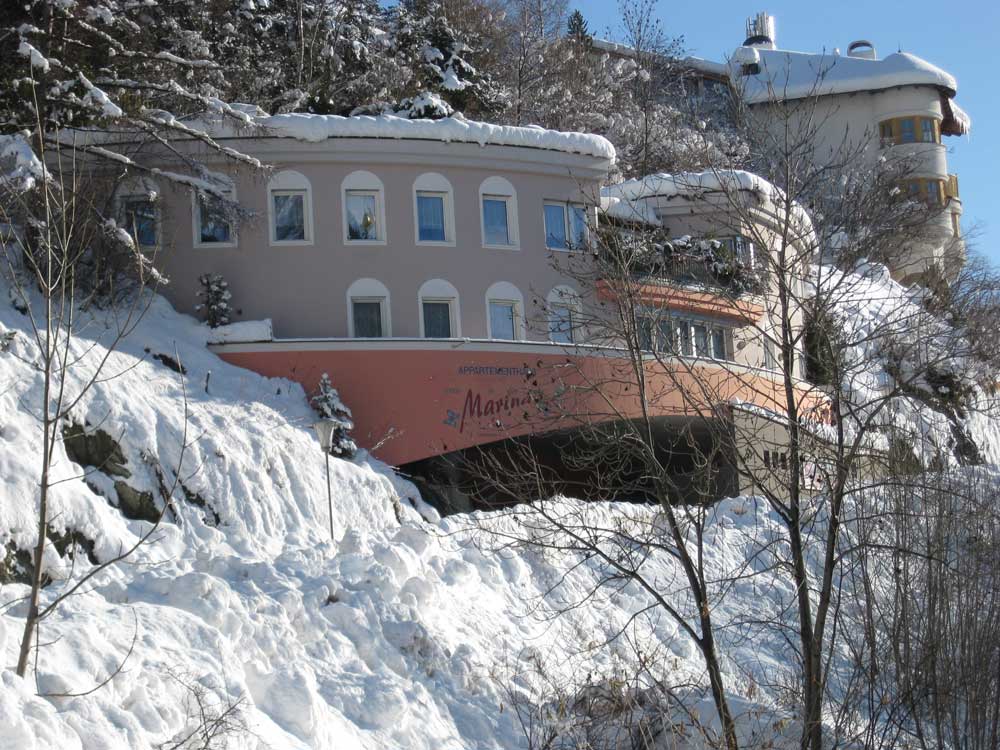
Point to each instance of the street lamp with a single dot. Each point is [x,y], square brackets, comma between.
[324,431]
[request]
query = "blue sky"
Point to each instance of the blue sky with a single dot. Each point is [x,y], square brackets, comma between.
[962,39]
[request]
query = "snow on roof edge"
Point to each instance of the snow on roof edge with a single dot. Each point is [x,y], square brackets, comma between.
[317,128]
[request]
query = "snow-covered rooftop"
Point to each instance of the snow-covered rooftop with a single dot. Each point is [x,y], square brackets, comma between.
[794,75]
[316,128]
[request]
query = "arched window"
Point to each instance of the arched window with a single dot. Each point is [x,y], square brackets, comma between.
[433,210]
[363,199]
[562,306]
[505,311]
[440,316]
[498,210]
[137,206]
[368,310]
[214,222]
[289,209]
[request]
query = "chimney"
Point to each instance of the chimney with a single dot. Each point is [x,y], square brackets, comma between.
[760,31]
[863,49]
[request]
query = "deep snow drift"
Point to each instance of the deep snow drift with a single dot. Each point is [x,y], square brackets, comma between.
[407,632]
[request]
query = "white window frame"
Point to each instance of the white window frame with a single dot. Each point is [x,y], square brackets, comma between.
[439,290]
[676,322]
[432,183]
[140,189]
[369,290]
[497,188]
[365,182]
[566,207]
[503,292]
[290,182]
[230,194]
[568,297]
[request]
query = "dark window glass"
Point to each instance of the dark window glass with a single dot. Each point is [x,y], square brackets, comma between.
[213,220]
[578,226]
[437,320]
[645,334]
[555,227]
[718,343]
[907,130]
[927,130]
[361,221]
[367,320]
[289,216]
[140,221]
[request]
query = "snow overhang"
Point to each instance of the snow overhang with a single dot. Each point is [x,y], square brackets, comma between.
[956,121]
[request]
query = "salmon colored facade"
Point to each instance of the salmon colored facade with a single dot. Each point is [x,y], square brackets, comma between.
[415,399]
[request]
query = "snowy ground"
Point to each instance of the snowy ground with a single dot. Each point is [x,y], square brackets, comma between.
[405,633]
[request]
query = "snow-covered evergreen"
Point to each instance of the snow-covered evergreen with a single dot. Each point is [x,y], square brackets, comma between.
[326,401]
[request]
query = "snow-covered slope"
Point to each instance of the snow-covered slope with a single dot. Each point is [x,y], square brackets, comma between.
[406,632]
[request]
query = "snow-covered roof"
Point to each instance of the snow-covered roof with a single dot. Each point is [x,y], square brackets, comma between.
[696,185]
[316,128]
[795,75]
[632,212]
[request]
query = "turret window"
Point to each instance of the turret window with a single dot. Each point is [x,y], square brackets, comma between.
[914,129]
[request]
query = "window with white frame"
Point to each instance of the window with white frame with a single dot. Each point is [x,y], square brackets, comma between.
[138,213]
[499,213]
[563,307]
[364,209]
[290,209]
[433,210]
[214,217]
[565,225]
[690,337]
[140,220]
[505,311]
[368,309]
[439,311]
[770,358]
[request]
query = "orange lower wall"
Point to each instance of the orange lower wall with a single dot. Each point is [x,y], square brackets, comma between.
[414,403]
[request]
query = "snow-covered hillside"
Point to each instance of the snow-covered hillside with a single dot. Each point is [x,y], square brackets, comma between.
[407,632]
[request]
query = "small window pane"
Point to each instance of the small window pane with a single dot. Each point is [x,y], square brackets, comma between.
[367,320]
[140,221]
[361,221]
[437,320]
[578,226]
[700,340]
[927,130]
[495,221]
[684,339]
[908,133]
[430,218]
[646,334]
[214,221]
[718,343]
[289,216]
[665,341]
[555,227]
[770,361]
[561,324]
[502,320]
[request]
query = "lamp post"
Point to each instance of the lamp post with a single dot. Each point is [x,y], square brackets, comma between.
[324,431]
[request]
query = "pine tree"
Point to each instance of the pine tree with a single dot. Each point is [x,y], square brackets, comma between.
[214,296]
[326,401]
[576,27]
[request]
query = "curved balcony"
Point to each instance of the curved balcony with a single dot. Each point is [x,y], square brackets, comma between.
[416,398]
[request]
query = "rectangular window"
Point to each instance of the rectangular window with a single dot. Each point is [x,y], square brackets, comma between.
[289,215]
[555,227]
[578,226]
[502,320]
[645,334]
[214,226]
[140,220]
[719,343]
[367,318]
[770,361]
[885,133]
[437,319]
[684,342]
[927,130]
[907,130]
[495,221]
[700,340]
[561,324]
[362,216]
[430,217]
